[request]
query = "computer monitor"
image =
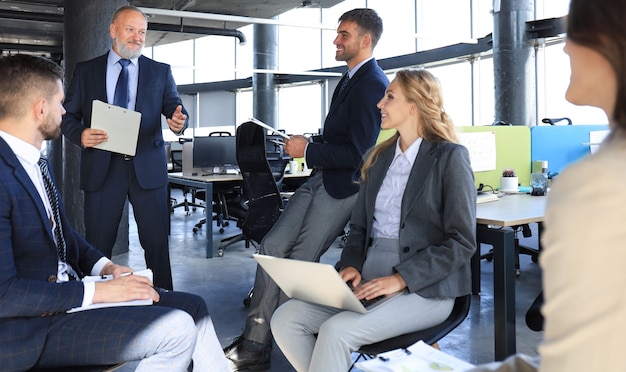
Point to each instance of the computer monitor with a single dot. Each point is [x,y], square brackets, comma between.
[214,151]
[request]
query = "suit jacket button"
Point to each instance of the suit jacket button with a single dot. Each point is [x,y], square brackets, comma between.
[406,249]
[52,278]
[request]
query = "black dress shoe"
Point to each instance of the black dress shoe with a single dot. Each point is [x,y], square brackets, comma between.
[241,359]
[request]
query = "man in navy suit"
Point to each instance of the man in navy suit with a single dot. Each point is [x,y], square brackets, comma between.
[108,178]
[42,259]
[321,207]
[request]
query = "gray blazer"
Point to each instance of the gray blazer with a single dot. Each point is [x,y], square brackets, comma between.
[438,223]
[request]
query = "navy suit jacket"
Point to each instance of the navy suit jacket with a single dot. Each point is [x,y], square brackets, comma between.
[156,94]
[437,223]
[350,129]
[28,266]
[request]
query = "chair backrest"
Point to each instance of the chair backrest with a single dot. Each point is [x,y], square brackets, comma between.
[429,335]
[259,186]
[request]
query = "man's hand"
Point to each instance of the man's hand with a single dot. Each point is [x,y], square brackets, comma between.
[93,137]
[177,122]
[125,288]
[115,270]
[295,146]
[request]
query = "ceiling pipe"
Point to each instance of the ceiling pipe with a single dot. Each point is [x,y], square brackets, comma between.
[165,27]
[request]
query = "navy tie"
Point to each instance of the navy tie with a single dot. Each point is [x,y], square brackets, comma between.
[53,197]
[344,82]
[121,89]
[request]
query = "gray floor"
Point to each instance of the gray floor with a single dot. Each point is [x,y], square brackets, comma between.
[224,282]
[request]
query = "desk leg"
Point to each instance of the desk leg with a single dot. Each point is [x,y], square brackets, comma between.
[503,242]
[208,214]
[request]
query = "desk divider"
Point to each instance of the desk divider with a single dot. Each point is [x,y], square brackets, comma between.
[512,151]
[561,145]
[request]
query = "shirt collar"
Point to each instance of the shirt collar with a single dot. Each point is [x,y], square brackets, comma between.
[113,58]
[357,67]
[22,149]
[411,152]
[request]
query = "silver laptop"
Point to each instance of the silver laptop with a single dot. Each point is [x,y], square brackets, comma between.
[315,282]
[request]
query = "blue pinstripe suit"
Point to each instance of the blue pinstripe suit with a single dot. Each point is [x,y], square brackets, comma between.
[34,328]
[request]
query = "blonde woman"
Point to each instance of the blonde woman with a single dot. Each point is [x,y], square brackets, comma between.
[412,229]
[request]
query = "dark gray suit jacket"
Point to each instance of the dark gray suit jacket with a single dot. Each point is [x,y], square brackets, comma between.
[438,222]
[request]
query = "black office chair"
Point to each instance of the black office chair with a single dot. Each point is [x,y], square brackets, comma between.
[430,335]
[261,194]
[519,249]
[102,368]
[534,317]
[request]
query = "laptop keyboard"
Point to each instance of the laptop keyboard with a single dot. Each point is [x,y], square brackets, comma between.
[367,303]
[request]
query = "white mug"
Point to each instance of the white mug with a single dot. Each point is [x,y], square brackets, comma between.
[293,166]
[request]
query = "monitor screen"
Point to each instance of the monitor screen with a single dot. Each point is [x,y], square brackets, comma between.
[214,151]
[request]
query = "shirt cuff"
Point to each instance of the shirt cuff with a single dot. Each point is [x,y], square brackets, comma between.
[97,268]
[89,292]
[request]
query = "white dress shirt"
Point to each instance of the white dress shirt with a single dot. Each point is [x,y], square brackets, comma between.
[389,199]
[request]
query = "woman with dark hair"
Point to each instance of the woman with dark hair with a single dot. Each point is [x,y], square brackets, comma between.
[412,230]
[584,243]
[585,238]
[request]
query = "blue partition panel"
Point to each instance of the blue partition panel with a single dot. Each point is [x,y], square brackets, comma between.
[561,145]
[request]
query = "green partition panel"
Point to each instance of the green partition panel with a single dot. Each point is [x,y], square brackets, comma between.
[512,151]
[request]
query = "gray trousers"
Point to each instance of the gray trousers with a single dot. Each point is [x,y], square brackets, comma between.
[309,224]
[320,338]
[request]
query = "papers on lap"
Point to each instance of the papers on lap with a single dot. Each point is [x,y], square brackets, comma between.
[147,273]
[419,357]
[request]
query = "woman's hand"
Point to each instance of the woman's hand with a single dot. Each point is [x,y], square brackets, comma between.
[352,275]
[380,286]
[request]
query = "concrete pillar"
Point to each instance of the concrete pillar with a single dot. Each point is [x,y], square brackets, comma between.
[265,94]
[85,36]
[513,63]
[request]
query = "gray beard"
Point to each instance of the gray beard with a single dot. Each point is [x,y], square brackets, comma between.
[127,52]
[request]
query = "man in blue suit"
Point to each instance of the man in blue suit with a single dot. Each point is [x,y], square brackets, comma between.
[107,178]
[43,260]
[321,207]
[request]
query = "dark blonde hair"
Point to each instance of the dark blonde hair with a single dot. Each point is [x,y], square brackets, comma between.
[599,25]
[423,89]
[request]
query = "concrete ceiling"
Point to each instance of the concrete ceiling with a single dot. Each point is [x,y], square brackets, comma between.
[37,26]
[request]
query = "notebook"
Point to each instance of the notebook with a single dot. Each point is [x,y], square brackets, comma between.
[315,282]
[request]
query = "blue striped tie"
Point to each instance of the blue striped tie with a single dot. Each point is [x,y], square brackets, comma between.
[344,82]
[53,197]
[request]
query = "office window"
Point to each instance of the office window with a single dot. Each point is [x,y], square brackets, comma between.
[299,109]
[552,84]
[180,57]
[398,27]
[299,47]
[214,58]
[455,80]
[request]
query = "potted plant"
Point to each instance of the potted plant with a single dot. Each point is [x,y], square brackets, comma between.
[509,180]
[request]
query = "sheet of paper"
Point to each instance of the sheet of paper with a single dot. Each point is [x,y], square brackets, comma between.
[419,358]
[595,139]
[262,124]
[482,149]
[147,273]
[122,126]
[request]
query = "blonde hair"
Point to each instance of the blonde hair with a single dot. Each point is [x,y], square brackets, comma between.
[423,89]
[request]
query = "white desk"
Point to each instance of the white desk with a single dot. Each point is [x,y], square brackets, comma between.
[206,183]
[510,210]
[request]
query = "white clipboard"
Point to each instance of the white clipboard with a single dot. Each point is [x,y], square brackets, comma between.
[121,124]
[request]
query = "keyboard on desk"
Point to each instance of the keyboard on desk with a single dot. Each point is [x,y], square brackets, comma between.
[484,197]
